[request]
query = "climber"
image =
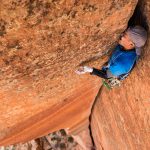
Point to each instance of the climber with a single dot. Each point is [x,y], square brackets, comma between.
[124,56]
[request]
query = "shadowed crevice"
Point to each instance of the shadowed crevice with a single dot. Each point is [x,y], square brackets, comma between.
[90,118]
[138,17]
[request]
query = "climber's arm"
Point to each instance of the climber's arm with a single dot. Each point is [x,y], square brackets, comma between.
[93,71]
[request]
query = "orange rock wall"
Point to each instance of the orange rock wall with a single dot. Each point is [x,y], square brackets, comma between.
[41,45]
[120,117]
[71,114]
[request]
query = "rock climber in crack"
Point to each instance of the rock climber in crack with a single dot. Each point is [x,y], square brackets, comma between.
[124,56]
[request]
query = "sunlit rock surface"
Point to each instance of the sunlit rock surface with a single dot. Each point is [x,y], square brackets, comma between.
[120,117]
[42,43]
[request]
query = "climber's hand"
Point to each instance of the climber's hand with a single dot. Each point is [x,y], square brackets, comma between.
[84,69]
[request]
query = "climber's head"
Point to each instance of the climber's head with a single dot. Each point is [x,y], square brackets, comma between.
[133,37]
[126,41]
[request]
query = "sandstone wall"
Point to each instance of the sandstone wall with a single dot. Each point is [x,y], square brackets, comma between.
[41,45]
[120,118]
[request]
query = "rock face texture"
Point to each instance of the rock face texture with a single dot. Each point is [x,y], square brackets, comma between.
[120,117]
[72,114]
[41,45]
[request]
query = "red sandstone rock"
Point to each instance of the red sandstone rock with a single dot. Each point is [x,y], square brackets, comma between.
[41,45]
[120,117]
[72,113]
[84,140]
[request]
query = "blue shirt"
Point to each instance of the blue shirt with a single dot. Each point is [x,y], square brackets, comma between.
[121,61]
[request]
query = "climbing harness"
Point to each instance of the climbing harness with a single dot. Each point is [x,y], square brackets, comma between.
[111,83]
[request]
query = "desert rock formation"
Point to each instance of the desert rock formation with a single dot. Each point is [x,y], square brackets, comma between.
[120,117]
[42,43]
